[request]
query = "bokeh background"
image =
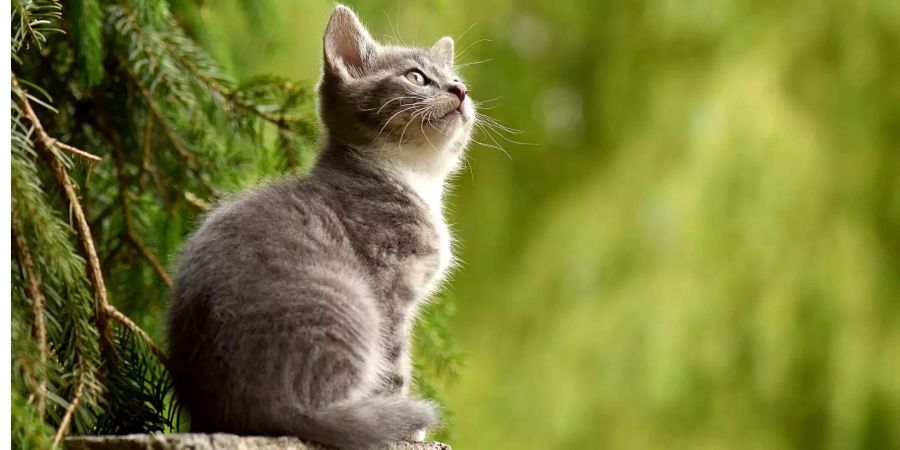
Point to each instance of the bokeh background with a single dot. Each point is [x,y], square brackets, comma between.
[701,247]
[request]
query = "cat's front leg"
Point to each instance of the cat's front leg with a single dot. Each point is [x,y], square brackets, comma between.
[400,380]
[398,375]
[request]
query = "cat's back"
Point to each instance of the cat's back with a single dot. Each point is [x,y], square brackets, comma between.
[267,232]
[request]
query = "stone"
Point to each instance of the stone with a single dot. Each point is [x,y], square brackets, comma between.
[218,441]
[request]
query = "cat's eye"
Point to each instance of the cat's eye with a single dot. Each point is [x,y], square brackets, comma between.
[416,77]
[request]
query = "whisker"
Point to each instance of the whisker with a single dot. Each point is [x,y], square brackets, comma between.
[472,63]
[497,147]
[488,100]
[388,102]
[411,119]
[425,135]
[497,123]
[496,129]
[463,51]
[401,103]
[474,24]
[395,32]
[468,163]
[415,107]
[499,128]
[500,147]
[434,117]
[406,108]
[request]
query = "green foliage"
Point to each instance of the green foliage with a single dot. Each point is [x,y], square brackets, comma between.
[29,431]
[437,359]
[145,405]
[87,26]
[127,83]
[32,21]
[69,309]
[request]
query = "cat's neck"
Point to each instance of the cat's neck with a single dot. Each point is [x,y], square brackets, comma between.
[425,176]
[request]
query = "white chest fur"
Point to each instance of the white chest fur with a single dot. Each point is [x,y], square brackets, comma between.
[430,189]
[445,254]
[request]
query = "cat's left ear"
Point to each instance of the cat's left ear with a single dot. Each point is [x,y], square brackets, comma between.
[443,50]
[347,44]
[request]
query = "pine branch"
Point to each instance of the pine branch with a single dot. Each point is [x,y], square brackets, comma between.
[104,311]
[186,155]
[145,166]
[117,315]
[161,271]
[71,334]
[63,146]
[86,21]
[47,140]
[170,44]
[130,234]
[70,411]
[84,232]
[142,42]
[33,285]
[148,166]
[182,123]
[282,121]
[211,81]
[33,19]
[196,201]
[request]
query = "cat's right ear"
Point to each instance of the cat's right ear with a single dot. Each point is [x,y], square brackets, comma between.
[347,44]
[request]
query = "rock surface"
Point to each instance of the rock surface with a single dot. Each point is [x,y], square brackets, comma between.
[189,441]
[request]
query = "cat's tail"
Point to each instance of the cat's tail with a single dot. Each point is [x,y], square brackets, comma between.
[367,423]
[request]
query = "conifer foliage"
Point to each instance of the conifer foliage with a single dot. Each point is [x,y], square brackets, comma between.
[124,131]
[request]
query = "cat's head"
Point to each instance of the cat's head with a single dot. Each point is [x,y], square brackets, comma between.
[408,104]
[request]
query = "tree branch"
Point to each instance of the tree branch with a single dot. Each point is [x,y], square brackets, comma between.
[75,150]
[81,224]
[116,315]
[45,138]
[186,155]
[70,411]
[282,121]
[130,233]
[33,285]
[150,257]
[148,166]
[196,201]
[103,310]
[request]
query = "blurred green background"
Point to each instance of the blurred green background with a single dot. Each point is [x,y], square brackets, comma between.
[702,247]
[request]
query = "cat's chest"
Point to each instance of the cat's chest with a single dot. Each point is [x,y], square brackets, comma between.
[421,272]
[404,247]
[430,271]
[399,230]
[444,255]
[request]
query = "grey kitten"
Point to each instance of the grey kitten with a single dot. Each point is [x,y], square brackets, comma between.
[294,302]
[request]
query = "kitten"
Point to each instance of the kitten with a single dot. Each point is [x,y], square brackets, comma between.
[294,302]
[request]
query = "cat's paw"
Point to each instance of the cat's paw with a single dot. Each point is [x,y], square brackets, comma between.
[417,436]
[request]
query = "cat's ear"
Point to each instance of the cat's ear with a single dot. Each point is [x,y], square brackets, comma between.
[347,43]
[443,50]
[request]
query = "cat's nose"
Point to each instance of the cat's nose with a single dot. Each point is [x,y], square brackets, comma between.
[459,90]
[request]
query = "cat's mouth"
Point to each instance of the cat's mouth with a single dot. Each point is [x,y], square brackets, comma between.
[454,113]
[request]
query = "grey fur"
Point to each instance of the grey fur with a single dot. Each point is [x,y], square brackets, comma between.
[293,302]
